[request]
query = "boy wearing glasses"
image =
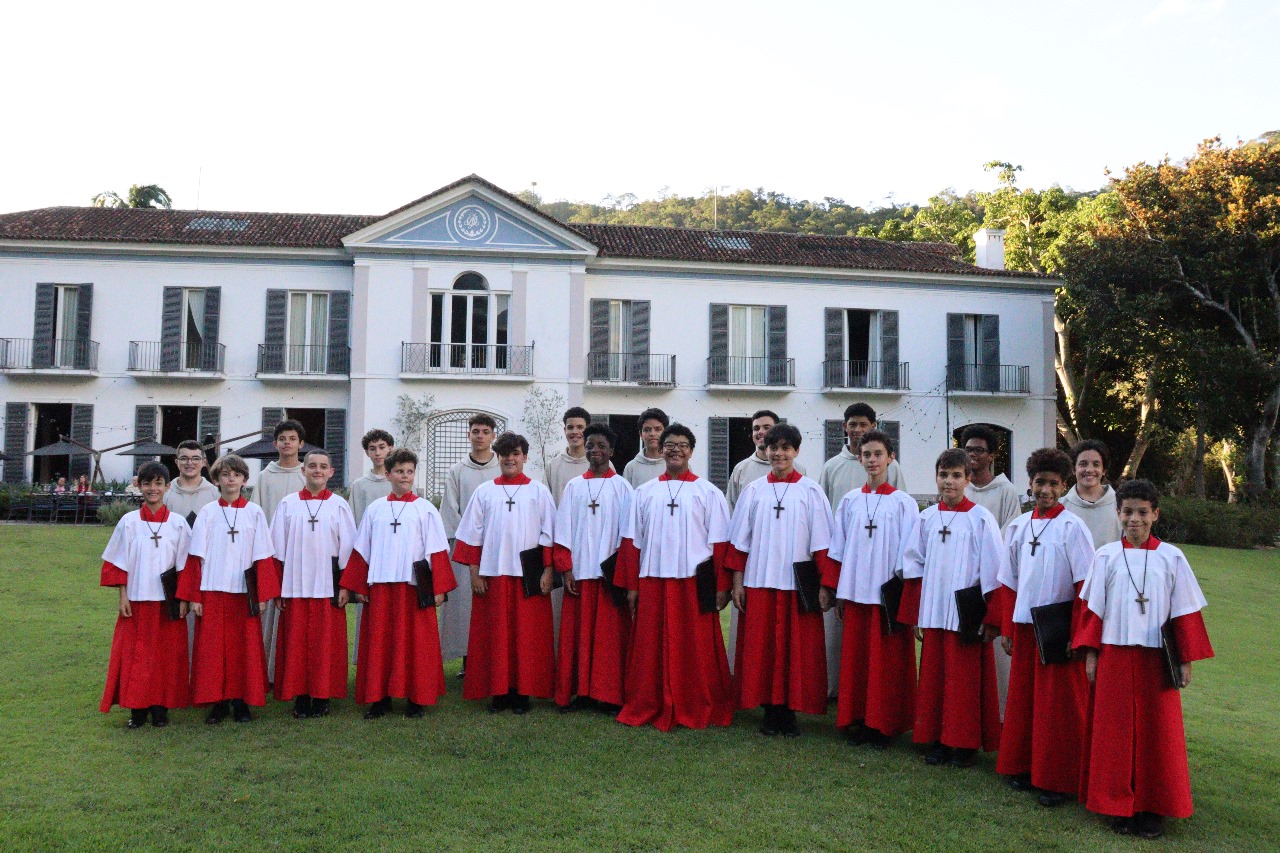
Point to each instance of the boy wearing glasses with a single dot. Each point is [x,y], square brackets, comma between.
[188,494]
[986,488]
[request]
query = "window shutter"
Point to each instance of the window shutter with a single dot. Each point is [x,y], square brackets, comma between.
[16,417]
[833,331]
[208,423]
[339,358]
[42,345]
[989,351]
[718,365]
[892,429]
[598,358]
[718,466]
[145,426]
[639,367]
[955,352]
[273,359]
[84,328]
[776,322]
[212,319]
[335,443]
[888,375]
[833,437]
[81,431]
[171,329]
[270,419]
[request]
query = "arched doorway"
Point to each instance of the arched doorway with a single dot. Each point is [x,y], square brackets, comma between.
[1004,452]
[447,443]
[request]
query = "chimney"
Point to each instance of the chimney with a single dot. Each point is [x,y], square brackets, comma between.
[988,244]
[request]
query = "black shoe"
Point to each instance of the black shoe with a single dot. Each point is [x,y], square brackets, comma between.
[319,707]
[462,671]
[963,757]
[498,704]
[137,719]
[1122,825]
[858,734]
[520,705]
[879,740]
[218,713]
[378,709]
[159,716]
[608,708]
[301,707]
[1051,799]
[413,711]
[1149,825]
[938,755]
[787,725]
[1021,782]
[770,726]
[241,711]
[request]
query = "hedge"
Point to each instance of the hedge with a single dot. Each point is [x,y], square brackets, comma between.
[1191,521]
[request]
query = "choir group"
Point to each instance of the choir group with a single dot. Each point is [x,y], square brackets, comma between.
[603,590]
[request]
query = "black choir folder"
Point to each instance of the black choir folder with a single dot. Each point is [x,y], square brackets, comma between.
[426,583]
[890,603]
[705,577]
[251,587]
[971,607]
[337,580]
[1052,624]
[808,583]
[608,568]
[169,583]
[1172,659]
[531,567]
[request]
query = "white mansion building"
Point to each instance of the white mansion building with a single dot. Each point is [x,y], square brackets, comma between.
[123,324]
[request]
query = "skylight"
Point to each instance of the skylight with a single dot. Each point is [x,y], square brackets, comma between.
[213,223]
[720,241]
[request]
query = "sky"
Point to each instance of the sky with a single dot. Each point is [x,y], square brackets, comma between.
[360,108]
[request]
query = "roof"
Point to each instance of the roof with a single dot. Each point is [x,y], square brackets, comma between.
[325,231]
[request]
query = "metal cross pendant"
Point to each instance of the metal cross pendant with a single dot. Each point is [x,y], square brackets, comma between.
[871,528]
[1142,603]
[312,522]
[395,525]
[510,503]
[155,538]
[672,506]
[777,510]
[593,505]
[1035,543]
[231,531]
[944,532]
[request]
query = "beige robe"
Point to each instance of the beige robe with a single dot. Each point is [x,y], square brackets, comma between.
[273,484]
[454,615]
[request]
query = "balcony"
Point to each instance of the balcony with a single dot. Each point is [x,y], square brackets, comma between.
[44,357]
[988,379]
[644,370]
[455,361]
[889,377]
[733,370]
[167,359]
[303,361]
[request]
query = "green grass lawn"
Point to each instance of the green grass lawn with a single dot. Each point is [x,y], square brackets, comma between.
[73,778]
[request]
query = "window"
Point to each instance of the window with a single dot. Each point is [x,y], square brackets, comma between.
[469,326]
[749,345]
[973,352]
[862,349]
[308,332]
[193,329]
[747,338]
[620,344]
[67,308]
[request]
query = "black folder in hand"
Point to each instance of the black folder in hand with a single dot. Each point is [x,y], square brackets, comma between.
[1052,624]
[531,566]
[890,602]
[169,583]
[971,607]
[337,581]
[608,568]
[251,589]
[1172,659]
[705,577]
[426,583]
[808,583]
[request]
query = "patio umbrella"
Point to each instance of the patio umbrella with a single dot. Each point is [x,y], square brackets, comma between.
[149,448]
[61,448]
[265,448]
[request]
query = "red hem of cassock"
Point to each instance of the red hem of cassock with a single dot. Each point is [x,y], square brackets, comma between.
[511,645]
[781,654]
[877,673]
[594,634]
[1127,769]
[311,650]
[677,671]
[148,663]
[1044,717]
[230,661]
[956,701]
[399,653]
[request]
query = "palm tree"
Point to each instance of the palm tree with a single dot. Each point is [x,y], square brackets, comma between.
[148,196]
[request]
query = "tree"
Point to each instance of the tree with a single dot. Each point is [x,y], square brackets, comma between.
[146,196]
[411,419]
[543,414]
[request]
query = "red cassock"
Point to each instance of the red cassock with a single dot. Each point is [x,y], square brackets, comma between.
[1135,756]
[399,653]
[230,661]
[594,635]
[677,669]
[1046,709]
[311,649]
[148,655]
[780,654]
[956,700]
[511,645]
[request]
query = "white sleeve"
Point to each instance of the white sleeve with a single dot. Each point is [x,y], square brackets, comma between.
[1080,550]
[346,529]
[471,526]
[1013,553]
[564,522]
[1186,596]
[433,537]
[839,534]
[821,522]
[717,518]
[547,523]
[199,546]
[632,524]
[908,532]
[742,522]
[1094,590]
[993,558]
[117,551]
[914,556]
[261,537]
[364,535]
[280,531]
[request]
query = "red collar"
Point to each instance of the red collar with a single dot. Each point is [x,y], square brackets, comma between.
[1053,513]
[686,477]
[408,497]
[883,489]
[324,495]
[158,517]
[606,475]
[520,480]
[964,506]
[793,477]
[236,504]
[1151,544]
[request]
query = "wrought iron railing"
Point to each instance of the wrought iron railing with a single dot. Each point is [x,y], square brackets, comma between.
[872,375]
[177,357]
[750,370]
[303,359]
[469,359]
[640,368]
[992,378]
[48,354]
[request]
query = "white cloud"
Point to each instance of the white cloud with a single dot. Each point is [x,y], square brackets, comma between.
[1197,9]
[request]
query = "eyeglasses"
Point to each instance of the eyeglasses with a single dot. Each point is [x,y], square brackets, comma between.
[976,451]
[676,445]
[182,459]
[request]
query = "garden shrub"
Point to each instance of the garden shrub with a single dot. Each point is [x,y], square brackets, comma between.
[1191,521]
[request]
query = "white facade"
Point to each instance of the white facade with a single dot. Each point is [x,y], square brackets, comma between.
[400,273]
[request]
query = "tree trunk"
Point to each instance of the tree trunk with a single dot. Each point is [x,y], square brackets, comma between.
[1255,469]
[1228,469]
[1199,452]
[1068,421]
[1146,418]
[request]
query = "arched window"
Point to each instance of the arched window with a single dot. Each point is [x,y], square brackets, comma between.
[447,443]
[469,326]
